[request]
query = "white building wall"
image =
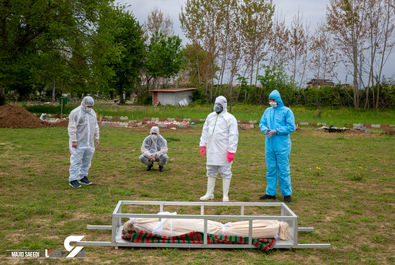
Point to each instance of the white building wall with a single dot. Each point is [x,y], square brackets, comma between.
[172,98]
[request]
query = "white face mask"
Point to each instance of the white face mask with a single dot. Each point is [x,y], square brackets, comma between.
[154,137]
[86,109]
[273,104]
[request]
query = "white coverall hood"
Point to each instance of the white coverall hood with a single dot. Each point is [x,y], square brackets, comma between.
[221,100]
[87,102]
[154,129]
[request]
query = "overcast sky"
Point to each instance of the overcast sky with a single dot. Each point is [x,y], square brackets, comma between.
[312,11]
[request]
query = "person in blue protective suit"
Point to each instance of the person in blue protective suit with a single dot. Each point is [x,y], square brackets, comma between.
[83,137]
[277,123]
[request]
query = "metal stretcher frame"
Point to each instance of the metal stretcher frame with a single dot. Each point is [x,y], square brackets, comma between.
[287,215]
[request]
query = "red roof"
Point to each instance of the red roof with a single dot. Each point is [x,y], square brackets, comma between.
[171,90]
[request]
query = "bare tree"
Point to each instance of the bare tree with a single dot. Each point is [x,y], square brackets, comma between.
[201,21]
[324,57]
[256,23]
[345,20]
[158,24]
[278,44]
[383,37]
[297,47]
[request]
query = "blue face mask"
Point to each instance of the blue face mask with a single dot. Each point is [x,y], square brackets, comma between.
[218,109]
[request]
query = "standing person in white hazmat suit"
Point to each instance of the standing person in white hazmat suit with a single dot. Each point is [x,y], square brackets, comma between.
[219,138]
[83,135]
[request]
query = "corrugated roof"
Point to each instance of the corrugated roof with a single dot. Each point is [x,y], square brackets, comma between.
[172,90]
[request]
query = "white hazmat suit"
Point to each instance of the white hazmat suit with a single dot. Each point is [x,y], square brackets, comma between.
[219,137]
[84,130]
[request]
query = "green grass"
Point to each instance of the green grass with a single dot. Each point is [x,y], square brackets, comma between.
[343,186]
[331,116]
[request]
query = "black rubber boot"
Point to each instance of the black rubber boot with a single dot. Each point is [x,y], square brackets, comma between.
[161,168]
[149,167]
[266,197]
[287,199]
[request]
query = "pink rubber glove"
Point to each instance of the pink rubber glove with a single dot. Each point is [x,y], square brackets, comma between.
[202,150]
[231,156]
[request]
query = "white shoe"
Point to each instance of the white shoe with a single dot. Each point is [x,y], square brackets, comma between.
[207,197]
[210,189]
[225,188]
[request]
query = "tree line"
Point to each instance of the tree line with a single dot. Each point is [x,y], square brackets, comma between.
[81,47]
[239,48]
[240,39]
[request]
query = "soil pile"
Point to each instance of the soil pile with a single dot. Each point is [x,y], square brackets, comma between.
[14,116]
[63,123]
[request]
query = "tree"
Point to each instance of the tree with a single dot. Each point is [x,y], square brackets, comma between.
[158,24]
[201,21]
[38,40]
[324,57]
[128,36]
[380,27]
[196,63]
[345,20]
[278,44]
[255,24]
[298,48]
[165,57]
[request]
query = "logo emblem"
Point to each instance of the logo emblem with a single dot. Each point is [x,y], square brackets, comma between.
[73,251]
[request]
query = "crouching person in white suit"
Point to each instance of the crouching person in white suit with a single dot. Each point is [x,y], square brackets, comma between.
[219,139]
[154,148]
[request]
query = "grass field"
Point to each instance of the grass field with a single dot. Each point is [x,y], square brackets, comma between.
[343,186]
[331,116]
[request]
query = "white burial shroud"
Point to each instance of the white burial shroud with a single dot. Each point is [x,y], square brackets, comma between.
[176,227]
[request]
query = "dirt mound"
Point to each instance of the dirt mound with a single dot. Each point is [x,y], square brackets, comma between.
[63,123]
[14,116]
[354,131]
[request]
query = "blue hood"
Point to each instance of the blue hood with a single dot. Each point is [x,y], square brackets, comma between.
[276,96]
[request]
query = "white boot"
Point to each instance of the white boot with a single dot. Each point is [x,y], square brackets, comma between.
[225,188]
[210,189]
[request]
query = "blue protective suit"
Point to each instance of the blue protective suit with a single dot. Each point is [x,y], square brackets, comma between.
[278,147]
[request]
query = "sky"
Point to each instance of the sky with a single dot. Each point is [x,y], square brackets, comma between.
[312,12]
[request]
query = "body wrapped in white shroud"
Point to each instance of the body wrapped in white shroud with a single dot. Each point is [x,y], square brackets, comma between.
[176,227]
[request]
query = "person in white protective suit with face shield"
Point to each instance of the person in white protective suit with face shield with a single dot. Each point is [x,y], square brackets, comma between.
[219,138]
[83,136]
[154,148]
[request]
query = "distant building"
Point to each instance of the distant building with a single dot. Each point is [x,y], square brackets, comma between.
[175,97]
[320,82]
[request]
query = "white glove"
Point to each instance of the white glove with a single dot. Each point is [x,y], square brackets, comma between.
[271,133]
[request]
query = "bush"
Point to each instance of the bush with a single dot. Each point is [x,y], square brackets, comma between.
[2,99]
[145,100]
[50,109]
